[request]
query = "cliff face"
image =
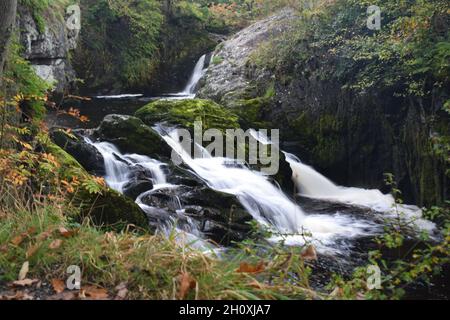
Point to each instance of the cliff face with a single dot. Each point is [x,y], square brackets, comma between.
[352,138]
[48,50]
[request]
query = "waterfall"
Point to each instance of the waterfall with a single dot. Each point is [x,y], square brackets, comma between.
[312,184]
[119,167]
[262,199]
[266,202]
[197,74]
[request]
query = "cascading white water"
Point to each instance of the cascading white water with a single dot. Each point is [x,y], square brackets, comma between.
[263,200]
[312,184]
[197,74]
[267,203]
[118,168]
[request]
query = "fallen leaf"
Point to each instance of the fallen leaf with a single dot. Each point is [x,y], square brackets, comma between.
[24,270]
[55,244]
[58,285]
[44,235]
[31,230]
[32,250]
[19,295]
[66,233]
[18,240]
[25,282]
[95,293]
[4,248]
[310,254]
[186,283]
[247,268]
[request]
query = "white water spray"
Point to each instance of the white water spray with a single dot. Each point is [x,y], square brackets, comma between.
[312,184]
[118,167]
[267,203]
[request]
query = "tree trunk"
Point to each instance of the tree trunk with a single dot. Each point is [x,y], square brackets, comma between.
[8,9]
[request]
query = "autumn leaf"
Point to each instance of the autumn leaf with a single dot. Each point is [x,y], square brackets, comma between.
[24,270]
[25,282]
[58,285]
[55,244]
[247,268]
[186,283]
[18,239]
[44,235]
[19,295]
[310,253]
[94,293]
[32,250]
[66,233]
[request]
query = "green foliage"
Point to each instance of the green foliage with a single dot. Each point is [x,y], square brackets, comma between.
[41,10]
[119,41]
[409,55]
[217,60]
[21,78]
[37,8]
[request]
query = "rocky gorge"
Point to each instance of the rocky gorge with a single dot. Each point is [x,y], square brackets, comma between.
[363,138]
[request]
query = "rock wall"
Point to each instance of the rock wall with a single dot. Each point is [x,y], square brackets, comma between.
[48,50]
[353,139]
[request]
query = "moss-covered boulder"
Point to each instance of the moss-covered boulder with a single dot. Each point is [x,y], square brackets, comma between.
[185,112]
[86,154]
[110,209]
[106,207]
[131,135]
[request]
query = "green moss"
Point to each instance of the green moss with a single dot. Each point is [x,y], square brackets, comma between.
[69,167]
[251,112]
[131,135]
[111,210]
[185,112]
[216,60]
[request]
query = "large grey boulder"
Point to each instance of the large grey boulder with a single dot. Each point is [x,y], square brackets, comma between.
[228,75]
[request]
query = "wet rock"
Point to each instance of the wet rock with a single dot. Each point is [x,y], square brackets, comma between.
[219,216]
[86,154]
[131,135]
[184,177]
[134,188]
